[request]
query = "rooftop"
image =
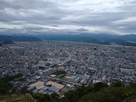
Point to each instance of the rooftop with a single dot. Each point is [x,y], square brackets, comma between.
[54,89]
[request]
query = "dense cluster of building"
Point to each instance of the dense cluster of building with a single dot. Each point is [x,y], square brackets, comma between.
[83,63]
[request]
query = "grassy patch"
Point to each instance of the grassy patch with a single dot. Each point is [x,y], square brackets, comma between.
[60,72]
[65,78]
[15,98]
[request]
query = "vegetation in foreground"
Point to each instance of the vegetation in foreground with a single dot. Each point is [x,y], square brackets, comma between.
[6,86]
[100,92]
[15,98]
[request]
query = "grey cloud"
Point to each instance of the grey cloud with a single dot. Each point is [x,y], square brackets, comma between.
[82,29]
[54,25]
[27,4]
[11,31]
[55,14]
[33,28]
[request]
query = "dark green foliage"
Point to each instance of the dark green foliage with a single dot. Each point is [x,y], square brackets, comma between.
[41,98]
[5,84]
[100,92]
[59,73]
[54,97]
[118,84]
[45,97]
[24,90]
[74,96]
[70,97]
[10,78]
[115,93]
[99,86]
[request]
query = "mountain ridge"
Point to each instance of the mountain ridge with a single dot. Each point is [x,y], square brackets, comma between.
[18,38]
[107,39]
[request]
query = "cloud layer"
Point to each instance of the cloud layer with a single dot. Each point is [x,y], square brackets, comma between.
[67,16]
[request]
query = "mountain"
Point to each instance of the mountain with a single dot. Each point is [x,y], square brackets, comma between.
[131,37]
[1,44]
[106,39]
[18,38]
[7,42]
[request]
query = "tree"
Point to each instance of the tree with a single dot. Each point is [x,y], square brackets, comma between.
[54,97]
[99,86]
[24,90]
[118,84]
[3,91]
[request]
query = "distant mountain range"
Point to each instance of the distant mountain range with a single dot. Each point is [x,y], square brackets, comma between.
[106,39]
[18,38]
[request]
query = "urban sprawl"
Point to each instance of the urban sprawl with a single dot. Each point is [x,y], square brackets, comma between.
[58,66]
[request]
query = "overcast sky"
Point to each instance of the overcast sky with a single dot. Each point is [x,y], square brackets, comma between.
[67,16]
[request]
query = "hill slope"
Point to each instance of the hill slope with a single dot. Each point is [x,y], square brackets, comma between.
[18,38]
[106,39]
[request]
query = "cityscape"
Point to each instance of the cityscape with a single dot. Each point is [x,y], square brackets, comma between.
[59,66]
[67,50]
